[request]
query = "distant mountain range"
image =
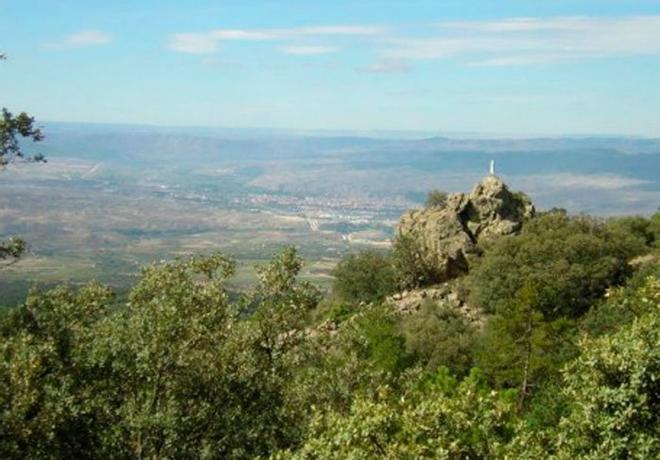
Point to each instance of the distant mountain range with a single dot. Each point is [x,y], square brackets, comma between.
[553,169]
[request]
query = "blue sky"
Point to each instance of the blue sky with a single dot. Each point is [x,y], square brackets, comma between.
[523,67]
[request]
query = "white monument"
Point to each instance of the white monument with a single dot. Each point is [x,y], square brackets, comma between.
[492,167]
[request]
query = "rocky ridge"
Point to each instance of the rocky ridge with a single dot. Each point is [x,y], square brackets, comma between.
[447,237]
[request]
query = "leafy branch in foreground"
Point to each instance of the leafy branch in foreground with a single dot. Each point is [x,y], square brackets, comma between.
[12,129]
[12,249]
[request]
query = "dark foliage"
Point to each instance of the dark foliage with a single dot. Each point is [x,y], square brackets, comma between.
[366,277]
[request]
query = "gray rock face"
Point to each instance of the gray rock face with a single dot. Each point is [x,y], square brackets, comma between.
[448,236]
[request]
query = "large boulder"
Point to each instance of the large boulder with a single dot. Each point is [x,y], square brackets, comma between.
[448,236]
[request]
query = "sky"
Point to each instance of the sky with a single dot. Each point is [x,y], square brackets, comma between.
[501,67]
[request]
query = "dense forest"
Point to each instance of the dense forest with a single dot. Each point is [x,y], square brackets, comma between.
[554,353]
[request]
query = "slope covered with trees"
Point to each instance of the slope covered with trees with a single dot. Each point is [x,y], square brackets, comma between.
[552,354]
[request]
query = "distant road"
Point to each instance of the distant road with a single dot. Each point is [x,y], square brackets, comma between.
[92,171]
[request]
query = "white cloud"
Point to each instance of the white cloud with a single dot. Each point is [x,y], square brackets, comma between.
[307,50]
[501,42]
[355,31]
[193,44]
[388,66]
[81,39]
[207,42]
[518,60]
[519,24]
[241,35]
[296,32]
[524,41]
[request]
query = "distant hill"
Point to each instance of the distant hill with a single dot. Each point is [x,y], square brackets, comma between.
[600,175]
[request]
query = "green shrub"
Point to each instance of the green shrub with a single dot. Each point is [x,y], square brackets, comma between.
[365,277]
[570,261]
[411,267]
[436,199]
[440,336]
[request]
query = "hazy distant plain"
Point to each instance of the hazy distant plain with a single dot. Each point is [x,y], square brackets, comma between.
[113,198]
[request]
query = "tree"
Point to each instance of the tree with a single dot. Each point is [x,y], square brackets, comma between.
[46,407]
[520,348]
[538,285]
[440,336]
[176,371]
[376,336]
[647,230]
[412,269]
[621,306]
[570,260]
[12,129]
[608,395]
[430,418]
[365,277]
[12,249]
[614,390]
[354,357]
[280,303]
[436,198]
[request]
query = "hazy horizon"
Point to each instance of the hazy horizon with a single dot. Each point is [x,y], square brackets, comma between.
[377,133]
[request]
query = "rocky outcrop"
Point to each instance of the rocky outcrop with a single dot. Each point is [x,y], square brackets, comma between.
[447,295]
[448,236]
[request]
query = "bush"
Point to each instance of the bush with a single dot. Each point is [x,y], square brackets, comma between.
[621,305]
[609,393]
[175,372]
[440,336]
[377,334]
[569,260]
[614,389]
[519,348]
[646,230]
[364,277]
[411,268]
[436,198]
[429,418]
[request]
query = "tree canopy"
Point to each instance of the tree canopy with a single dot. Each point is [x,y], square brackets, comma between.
[364,277]
[12,129]
[570,260]
[436,198]
[554,355]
